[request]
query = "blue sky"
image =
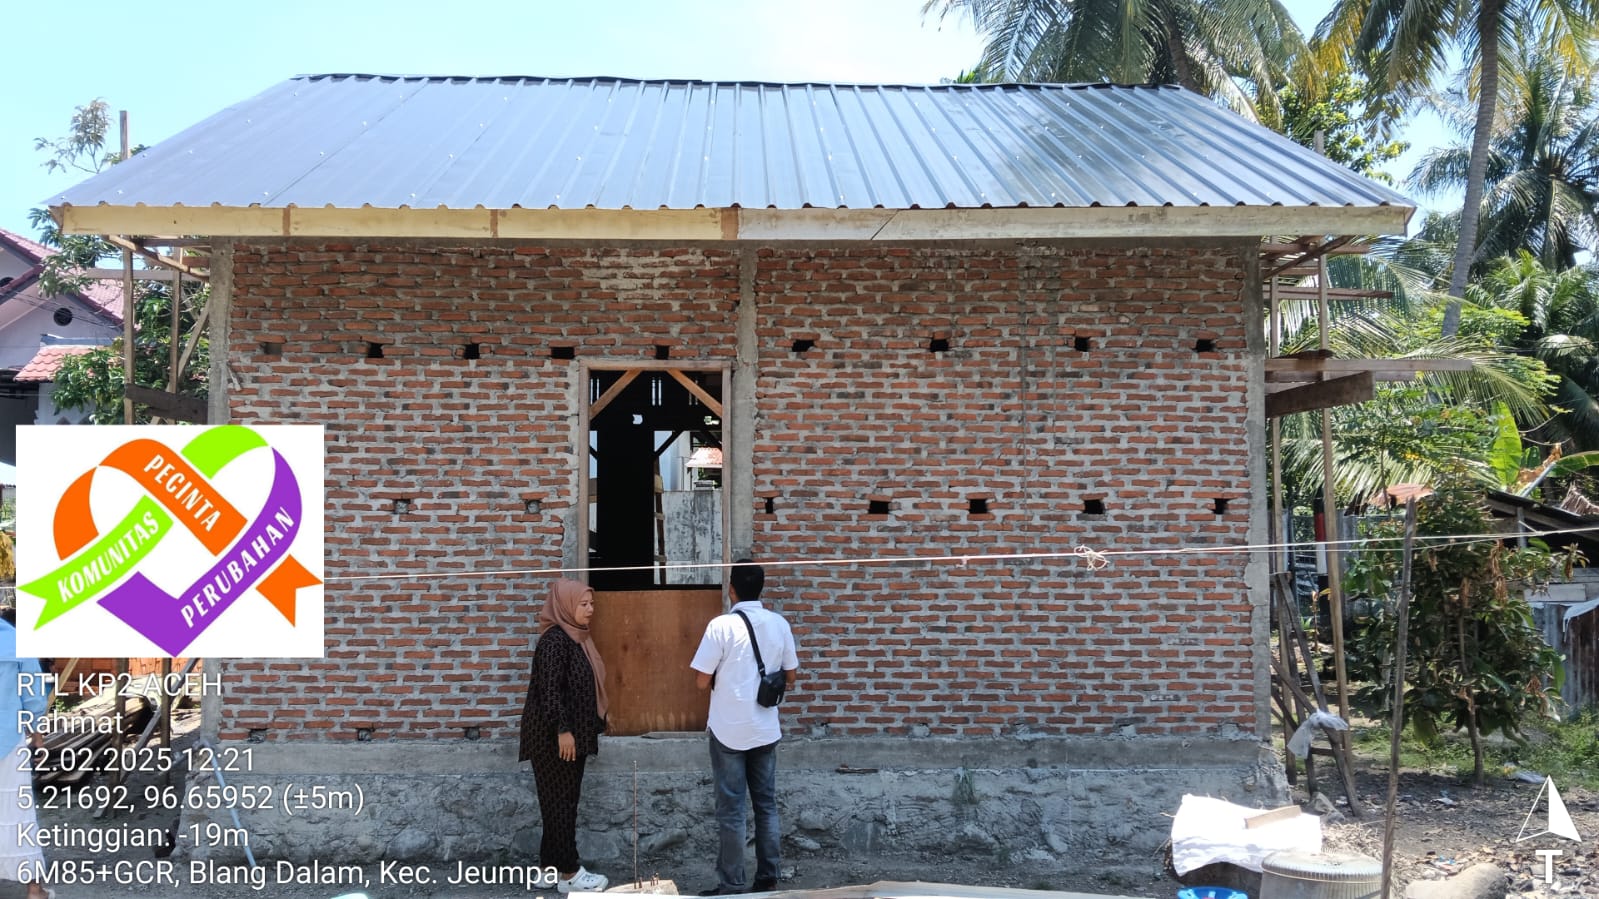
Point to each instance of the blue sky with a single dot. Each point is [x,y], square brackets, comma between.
[172,64]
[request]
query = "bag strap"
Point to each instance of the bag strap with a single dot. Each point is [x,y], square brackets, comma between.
[759,665]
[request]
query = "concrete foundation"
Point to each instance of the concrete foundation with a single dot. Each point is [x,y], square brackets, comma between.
[1039,798]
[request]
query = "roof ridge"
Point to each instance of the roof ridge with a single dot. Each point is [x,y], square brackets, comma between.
[734,82]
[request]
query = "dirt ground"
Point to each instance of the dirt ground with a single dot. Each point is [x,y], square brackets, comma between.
[1442,827]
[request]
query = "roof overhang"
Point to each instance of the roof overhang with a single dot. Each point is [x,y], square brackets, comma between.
[758,225]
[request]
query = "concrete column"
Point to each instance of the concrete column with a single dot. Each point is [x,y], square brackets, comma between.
[740,424]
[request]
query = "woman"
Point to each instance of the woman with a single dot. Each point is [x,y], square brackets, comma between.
[561,724]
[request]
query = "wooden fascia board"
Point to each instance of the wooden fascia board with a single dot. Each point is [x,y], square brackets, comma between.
[754,225]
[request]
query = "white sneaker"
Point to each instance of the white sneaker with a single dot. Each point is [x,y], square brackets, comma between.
[583,882]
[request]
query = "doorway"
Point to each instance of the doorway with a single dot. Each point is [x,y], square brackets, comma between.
[652,528]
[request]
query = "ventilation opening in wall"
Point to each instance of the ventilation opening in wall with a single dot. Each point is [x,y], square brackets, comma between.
[563,352]
[977,506]
[662,351]
[938,345]
[801,346]
[471,351]
[271,348]
[1219,506]
[374,350]
[1080,344]
[1093,507]
[877,507]
[62,316]
[1204,345]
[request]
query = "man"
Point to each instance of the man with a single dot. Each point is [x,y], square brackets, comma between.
[744,734]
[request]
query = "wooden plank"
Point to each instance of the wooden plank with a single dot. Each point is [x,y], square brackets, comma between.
[647,638]
[1140,221]
[699,392]
[370,222]
[139,274]
[1355,388]
[1272,817]
[169,405]
[1282,370]
[750,225]
[611,394]
[612,224]
[232,222]
[811,224]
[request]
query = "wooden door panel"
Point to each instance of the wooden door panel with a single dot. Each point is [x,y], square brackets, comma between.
[647,638]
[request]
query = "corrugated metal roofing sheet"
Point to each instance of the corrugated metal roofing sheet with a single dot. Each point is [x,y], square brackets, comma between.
[348,141]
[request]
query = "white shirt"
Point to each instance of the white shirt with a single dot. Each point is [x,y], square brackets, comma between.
[737,720]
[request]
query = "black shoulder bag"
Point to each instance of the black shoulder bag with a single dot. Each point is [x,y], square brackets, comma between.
[770,691]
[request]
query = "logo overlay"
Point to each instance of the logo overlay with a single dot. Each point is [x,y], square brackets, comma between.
[165,541]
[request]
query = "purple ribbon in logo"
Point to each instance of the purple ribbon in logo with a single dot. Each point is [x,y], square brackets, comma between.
[173,622]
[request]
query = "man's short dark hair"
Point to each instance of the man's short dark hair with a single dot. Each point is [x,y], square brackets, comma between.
[747,580]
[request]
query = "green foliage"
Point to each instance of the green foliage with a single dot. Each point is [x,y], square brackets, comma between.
[1338,108]
[94,381]
[1238,52]
[1566,750]
[83,147]
[1474,660]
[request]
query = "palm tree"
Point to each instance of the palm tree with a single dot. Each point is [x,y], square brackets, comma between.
[1404,45]
[1542,186]
[1237,51]
[1561,308]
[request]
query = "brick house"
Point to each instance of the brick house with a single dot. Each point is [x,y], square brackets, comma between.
[944,337]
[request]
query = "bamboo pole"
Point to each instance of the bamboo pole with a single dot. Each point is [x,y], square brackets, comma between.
[128,304]
[1335,592]
[1397,723]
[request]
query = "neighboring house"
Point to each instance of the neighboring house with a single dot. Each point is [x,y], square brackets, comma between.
[35,331]
[978,326]
[1566,612]
[41,372]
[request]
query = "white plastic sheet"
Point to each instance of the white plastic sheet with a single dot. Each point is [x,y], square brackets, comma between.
[1207,831]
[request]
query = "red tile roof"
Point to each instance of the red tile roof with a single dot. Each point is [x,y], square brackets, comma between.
[45,363]
[103,295]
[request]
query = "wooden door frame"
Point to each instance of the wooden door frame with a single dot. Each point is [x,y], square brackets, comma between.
[581,443]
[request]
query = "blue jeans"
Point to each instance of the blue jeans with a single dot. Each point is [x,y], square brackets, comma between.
[736,771]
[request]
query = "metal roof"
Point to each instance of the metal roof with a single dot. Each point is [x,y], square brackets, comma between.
[389,142]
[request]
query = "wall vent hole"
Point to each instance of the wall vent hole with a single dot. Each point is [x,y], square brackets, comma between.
[877,507]
[801,346]
[472,351]
[977,506]
[1094,507]
[374,350]
[1204,345]
[1219,506]
[270,348]
[1080,344]
[563,352]
[662,351]
[938,345]
[771,506]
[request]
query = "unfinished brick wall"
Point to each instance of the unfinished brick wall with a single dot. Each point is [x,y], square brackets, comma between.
[1063,377]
